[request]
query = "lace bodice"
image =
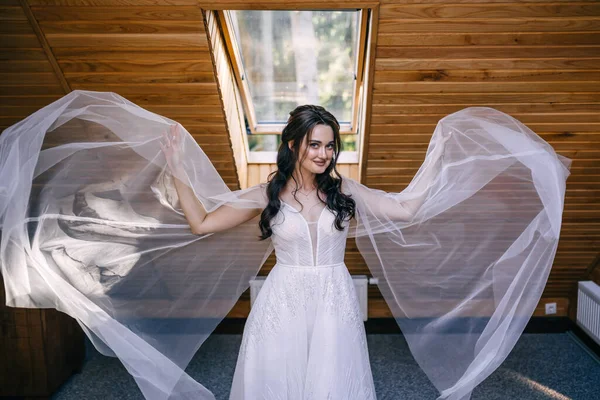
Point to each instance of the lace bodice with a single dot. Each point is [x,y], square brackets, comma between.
[301,242]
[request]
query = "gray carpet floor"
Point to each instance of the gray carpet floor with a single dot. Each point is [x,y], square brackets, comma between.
[541,366]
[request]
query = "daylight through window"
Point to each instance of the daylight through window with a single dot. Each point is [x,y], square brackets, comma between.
[286,58]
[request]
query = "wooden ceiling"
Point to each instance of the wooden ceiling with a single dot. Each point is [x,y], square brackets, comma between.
[156,56]
[536,60]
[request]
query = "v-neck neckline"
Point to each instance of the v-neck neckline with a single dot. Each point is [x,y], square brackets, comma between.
[302,216]
[314,253]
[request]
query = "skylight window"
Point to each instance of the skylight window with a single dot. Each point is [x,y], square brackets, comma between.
[286,58]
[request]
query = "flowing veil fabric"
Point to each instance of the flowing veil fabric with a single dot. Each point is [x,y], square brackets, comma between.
[93,228]
[463,277]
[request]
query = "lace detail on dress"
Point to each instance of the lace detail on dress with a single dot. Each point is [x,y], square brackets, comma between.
[305,329]
[304,338]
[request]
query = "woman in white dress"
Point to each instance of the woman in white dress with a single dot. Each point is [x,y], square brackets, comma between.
[304,338]
[137,237]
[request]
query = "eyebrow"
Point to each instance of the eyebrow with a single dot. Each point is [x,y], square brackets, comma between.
[318,141]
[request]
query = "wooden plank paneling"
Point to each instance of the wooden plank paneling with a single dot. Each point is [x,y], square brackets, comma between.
[529,118]
[121,27]
[502,25]
[40,348]
[155,54]
[138,55]
[122,13]
[185,89]
[537,61]
[482,38]
[483,98]
[391,64]
[138,66]
[489,87]
[483,10]
[45,46]
[110,78]
[129,41]
[468,76]
[13,12]
[487,52]
[28,80]
[105,3]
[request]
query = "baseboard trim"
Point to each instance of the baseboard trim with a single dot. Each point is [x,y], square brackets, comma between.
[374,326]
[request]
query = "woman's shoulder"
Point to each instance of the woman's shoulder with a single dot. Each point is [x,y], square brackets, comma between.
[347,185]
[256,194]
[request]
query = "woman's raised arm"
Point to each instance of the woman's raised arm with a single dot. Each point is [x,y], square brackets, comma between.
[223,218]
[389,206]
[202,222]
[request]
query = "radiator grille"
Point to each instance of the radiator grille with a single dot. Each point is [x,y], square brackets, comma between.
[588,309]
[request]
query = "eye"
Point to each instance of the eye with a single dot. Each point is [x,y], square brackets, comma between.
[314,144]
[330,145]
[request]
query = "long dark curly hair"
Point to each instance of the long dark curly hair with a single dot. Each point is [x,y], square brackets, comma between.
[301,122]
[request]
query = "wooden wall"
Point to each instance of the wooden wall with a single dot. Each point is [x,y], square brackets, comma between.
[28,80]
[537,60]
[39,348]
[154,55]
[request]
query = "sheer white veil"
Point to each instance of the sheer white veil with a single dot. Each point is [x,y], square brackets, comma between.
[463,277]
[93,228]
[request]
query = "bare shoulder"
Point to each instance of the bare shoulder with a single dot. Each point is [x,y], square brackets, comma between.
[256,194]
[347,186]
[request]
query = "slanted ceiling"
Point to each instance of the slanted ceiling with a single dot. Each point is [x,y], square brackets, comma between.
[156,56]
[538,61]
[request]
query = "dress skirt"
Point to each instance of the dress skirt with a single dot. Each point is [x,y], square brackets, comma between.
[304,339]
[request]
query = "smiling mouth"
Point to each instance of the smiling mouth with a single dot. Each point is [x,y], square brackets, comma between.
[319,163]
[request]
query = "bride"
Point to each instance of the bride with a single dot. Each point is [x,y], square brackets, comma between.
[133,233]
[304,337]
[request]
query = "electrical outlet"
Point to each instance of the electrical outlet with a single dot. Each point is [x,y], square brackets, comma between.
[550,308]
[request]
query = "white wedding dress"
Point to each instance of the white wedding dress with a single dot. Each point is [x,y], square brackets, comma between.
[93,227]
[304,338]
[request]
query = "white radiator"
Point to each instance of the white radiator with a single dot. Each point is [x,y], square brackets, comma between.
[588,309]
[361,285]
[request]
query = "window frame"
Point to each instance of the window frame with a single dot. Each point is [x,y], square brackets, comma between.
[351,128]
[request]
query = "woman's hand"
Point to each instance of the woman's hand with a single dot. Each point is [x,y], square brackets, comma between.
[444,137]
[440,145]
[171,147]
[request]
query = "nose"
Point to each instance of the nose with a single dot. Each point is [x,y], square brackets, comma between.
[322,152]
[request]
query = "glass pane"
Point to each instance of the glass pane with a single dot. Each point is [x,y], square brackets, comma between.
[295,57]
[264,142]
[349,142]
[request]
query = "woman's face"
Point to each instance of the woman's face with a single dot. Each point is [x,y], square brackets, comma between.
[317,152]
